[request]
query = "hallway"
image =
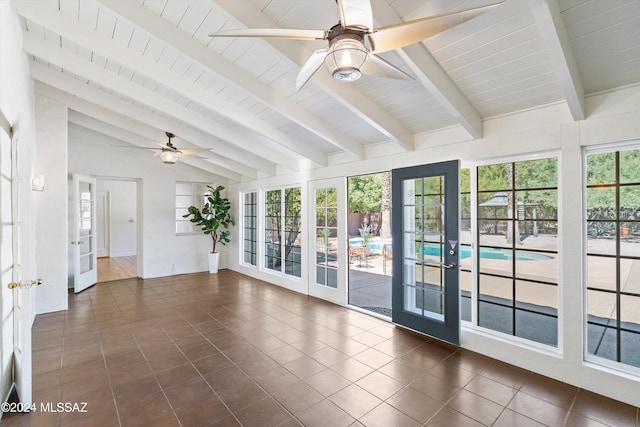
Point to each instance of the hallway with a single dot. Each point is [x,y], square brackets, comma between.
[117,268]
[226,349]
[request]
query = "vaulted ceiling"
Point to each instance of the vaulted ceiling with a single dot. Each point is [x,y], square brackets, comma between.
[138,68]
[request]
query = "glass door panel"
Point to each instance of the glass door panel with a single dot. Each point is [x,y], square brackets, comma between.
[328,240]
[426,293]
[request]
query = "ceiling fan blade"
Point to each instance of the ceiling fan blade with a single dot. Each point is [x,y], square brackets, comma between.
[310,67]
[133,146]
[191,151]
[376,66]
[401,35]
[282,33]
[356,14]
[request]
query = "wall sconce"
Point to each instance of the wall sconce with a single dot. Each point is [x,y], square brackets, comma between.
[37,183]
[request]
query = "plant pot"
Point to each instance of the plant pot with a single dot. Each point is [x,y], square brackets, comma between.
[214,260]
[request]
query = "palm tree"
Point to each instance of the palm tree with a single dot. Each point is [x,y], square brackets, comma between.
[385,206]
[512,226]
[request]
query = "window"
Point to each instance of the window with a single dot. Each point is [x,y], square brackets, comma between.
[466,277]
[250,228]
[283,230]
[613,255]
[188,194]
[326,234]
[517,265]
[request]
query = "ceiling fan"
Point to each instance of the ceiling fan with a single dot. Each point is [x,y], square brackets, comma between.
[354,44]
[168,152]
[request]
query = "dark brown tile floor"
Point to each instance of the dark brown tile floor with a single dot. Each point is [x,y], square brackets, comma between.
[225,349]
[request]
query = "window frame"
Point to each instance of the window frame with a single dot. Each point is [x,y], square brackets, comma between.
[475,248]
[262,251]
[193,187]
[614,148]
[256,228]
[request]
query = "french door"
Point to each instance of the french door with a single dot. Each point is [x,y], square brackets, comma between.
[425,294]
[84,232]
[328,240]
[16,294]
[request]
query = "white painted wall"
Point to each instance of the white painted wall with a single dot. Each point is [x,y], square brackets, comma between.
[51,220]
[611,117]
[160,251]
[17,105]
[122,216]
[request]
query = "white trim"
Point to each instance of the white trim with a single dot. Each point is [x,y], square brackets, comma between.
[241,214]
[596,362]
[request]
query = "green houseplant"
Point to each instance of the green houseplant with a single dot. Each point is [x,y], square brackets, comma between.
[213,216]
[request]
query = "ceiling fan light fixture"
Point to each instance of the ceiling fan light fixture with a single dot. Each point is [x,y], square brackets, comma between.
[169,157]
[345,58]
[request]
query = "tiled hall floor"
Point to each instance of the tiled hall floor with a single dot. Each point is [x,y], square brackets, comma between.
[225,349]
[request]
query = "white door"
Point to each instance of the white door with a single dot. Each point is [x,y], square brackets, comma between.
[15,333]
[85,260]
[328,240]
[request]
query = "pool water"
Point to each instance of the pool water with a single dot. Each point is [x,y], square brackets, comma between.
[434,249]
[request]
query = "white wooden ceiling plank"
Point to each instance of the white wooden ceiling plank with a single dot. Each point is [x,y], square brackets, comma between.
[98,59]
[157,6]
[193,73]
[252,61]
[125,73]
[349,97]
[513,72]
[205,79]
[612,60]
[601,79]
[495,66]
[516,85]
[121,113]
[513,17]
[88,14]
[69,7]
[138,41]
[116,83]
[623,36]
[122,33]
[153,50]
[243,80]
[106,22]
[433,78]
[142,80]
[525,100]
[596,14]
[213,21]
[133,135]
[167,58]
[496,52]
[174,11]
[180,65]
[549,19]
[194,16]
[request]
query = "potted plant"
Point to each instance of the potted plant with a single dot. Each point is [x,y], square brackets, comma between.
[214,215]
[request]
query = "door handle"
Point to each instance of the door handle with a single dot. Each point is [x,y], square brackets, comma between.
[79,242]
[26,284]
[439,264]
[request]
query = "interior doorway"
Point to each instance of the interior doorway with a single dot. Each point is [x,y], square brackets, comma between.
[116,228]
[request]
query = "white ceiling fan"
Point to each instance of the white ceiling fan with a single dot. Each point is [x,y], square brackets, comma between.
[354,43]
[168,152]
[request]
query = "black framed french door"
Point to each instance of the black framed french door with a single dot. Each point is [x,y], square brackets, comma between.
[425,217]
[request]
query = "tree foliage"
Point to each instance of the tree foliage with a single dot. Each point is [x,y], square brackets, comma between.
[365,193]
[215,214]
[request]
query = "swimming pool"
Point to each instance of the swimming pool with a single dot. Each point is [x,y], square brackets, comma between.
[434,249]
